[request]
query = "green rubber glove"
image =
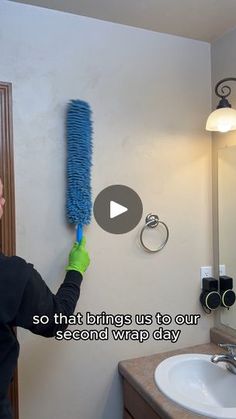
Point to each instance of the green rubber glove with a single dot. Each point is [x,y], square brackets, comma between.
[78,258]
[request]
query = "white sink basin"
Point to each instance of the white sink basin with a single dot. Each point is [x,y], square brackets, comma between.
[194,382]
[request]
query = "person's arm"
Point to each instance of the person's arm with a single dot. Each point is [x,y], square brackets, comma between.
[39,301]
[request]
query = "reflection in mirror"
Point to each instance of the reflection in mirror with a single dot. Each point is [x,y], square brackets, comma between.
[227,222]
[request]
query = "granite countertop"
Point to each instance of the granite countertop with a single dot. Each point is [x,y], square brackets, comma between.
[139,373]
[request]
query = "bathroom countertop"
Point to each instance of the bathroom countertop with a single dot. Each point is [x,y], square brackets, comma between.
[139,373]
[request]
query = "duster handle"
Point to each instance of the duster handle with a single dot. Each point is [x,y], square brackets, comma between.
[79,233]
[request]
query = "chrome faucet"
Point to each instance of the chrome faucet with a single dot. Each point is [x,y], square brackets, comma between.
[229,358]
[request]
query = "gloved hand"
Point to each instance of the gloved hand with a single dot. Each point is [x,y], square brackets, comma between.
[78,258]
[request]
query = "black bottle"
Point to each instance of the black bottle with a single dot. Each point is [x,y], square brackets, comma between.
[226,291]
[210,298]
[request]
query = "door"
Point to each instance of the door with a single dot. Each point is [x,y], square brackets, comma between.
[7,225]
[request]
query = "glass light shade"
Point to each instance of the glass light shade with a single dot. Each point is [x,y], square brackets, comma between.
[222,120]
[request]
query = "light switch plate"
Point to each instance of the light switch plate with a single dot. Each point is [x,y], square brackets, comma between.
[222,270]
[205,272]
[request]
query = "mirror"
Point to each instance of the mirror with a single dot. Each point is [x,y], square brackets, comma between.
[227,222]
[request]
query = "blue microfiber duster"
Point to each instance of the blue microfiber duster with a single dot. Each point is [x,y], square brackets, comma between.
[79,161]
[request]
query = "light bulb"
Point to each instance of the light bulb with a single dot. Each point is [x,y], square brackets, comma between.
[224,126]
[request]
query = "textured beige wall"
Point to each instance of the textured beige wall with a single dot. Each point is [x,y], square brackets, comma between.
[150,94]
[223,55]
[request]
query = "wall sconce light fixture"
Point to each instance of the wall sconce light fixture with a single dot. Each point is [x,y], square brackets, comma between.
[223,119]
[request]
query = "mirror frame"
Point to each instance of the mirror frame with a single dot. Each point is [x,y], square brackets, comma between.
[219,141]
[7,225]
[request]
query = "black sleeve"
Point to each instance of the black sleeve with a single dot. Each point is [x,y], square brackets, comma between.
[38,300]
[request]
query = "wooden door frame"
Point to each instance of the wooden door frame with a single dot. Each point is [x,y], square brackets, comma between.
[7,225]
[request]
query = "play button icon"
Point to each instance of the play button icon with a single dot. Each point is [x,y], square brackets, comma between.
[118,209]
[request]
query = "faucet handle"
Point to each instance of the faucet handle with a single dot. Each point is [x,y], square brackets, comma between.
[231,347]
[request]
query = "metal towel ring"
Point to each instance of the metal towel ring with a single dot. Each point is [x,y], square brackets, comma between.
[153,221]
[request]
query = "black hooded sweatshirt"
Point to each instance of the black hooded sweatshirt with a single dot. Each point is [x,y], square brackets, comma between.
[24,294]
